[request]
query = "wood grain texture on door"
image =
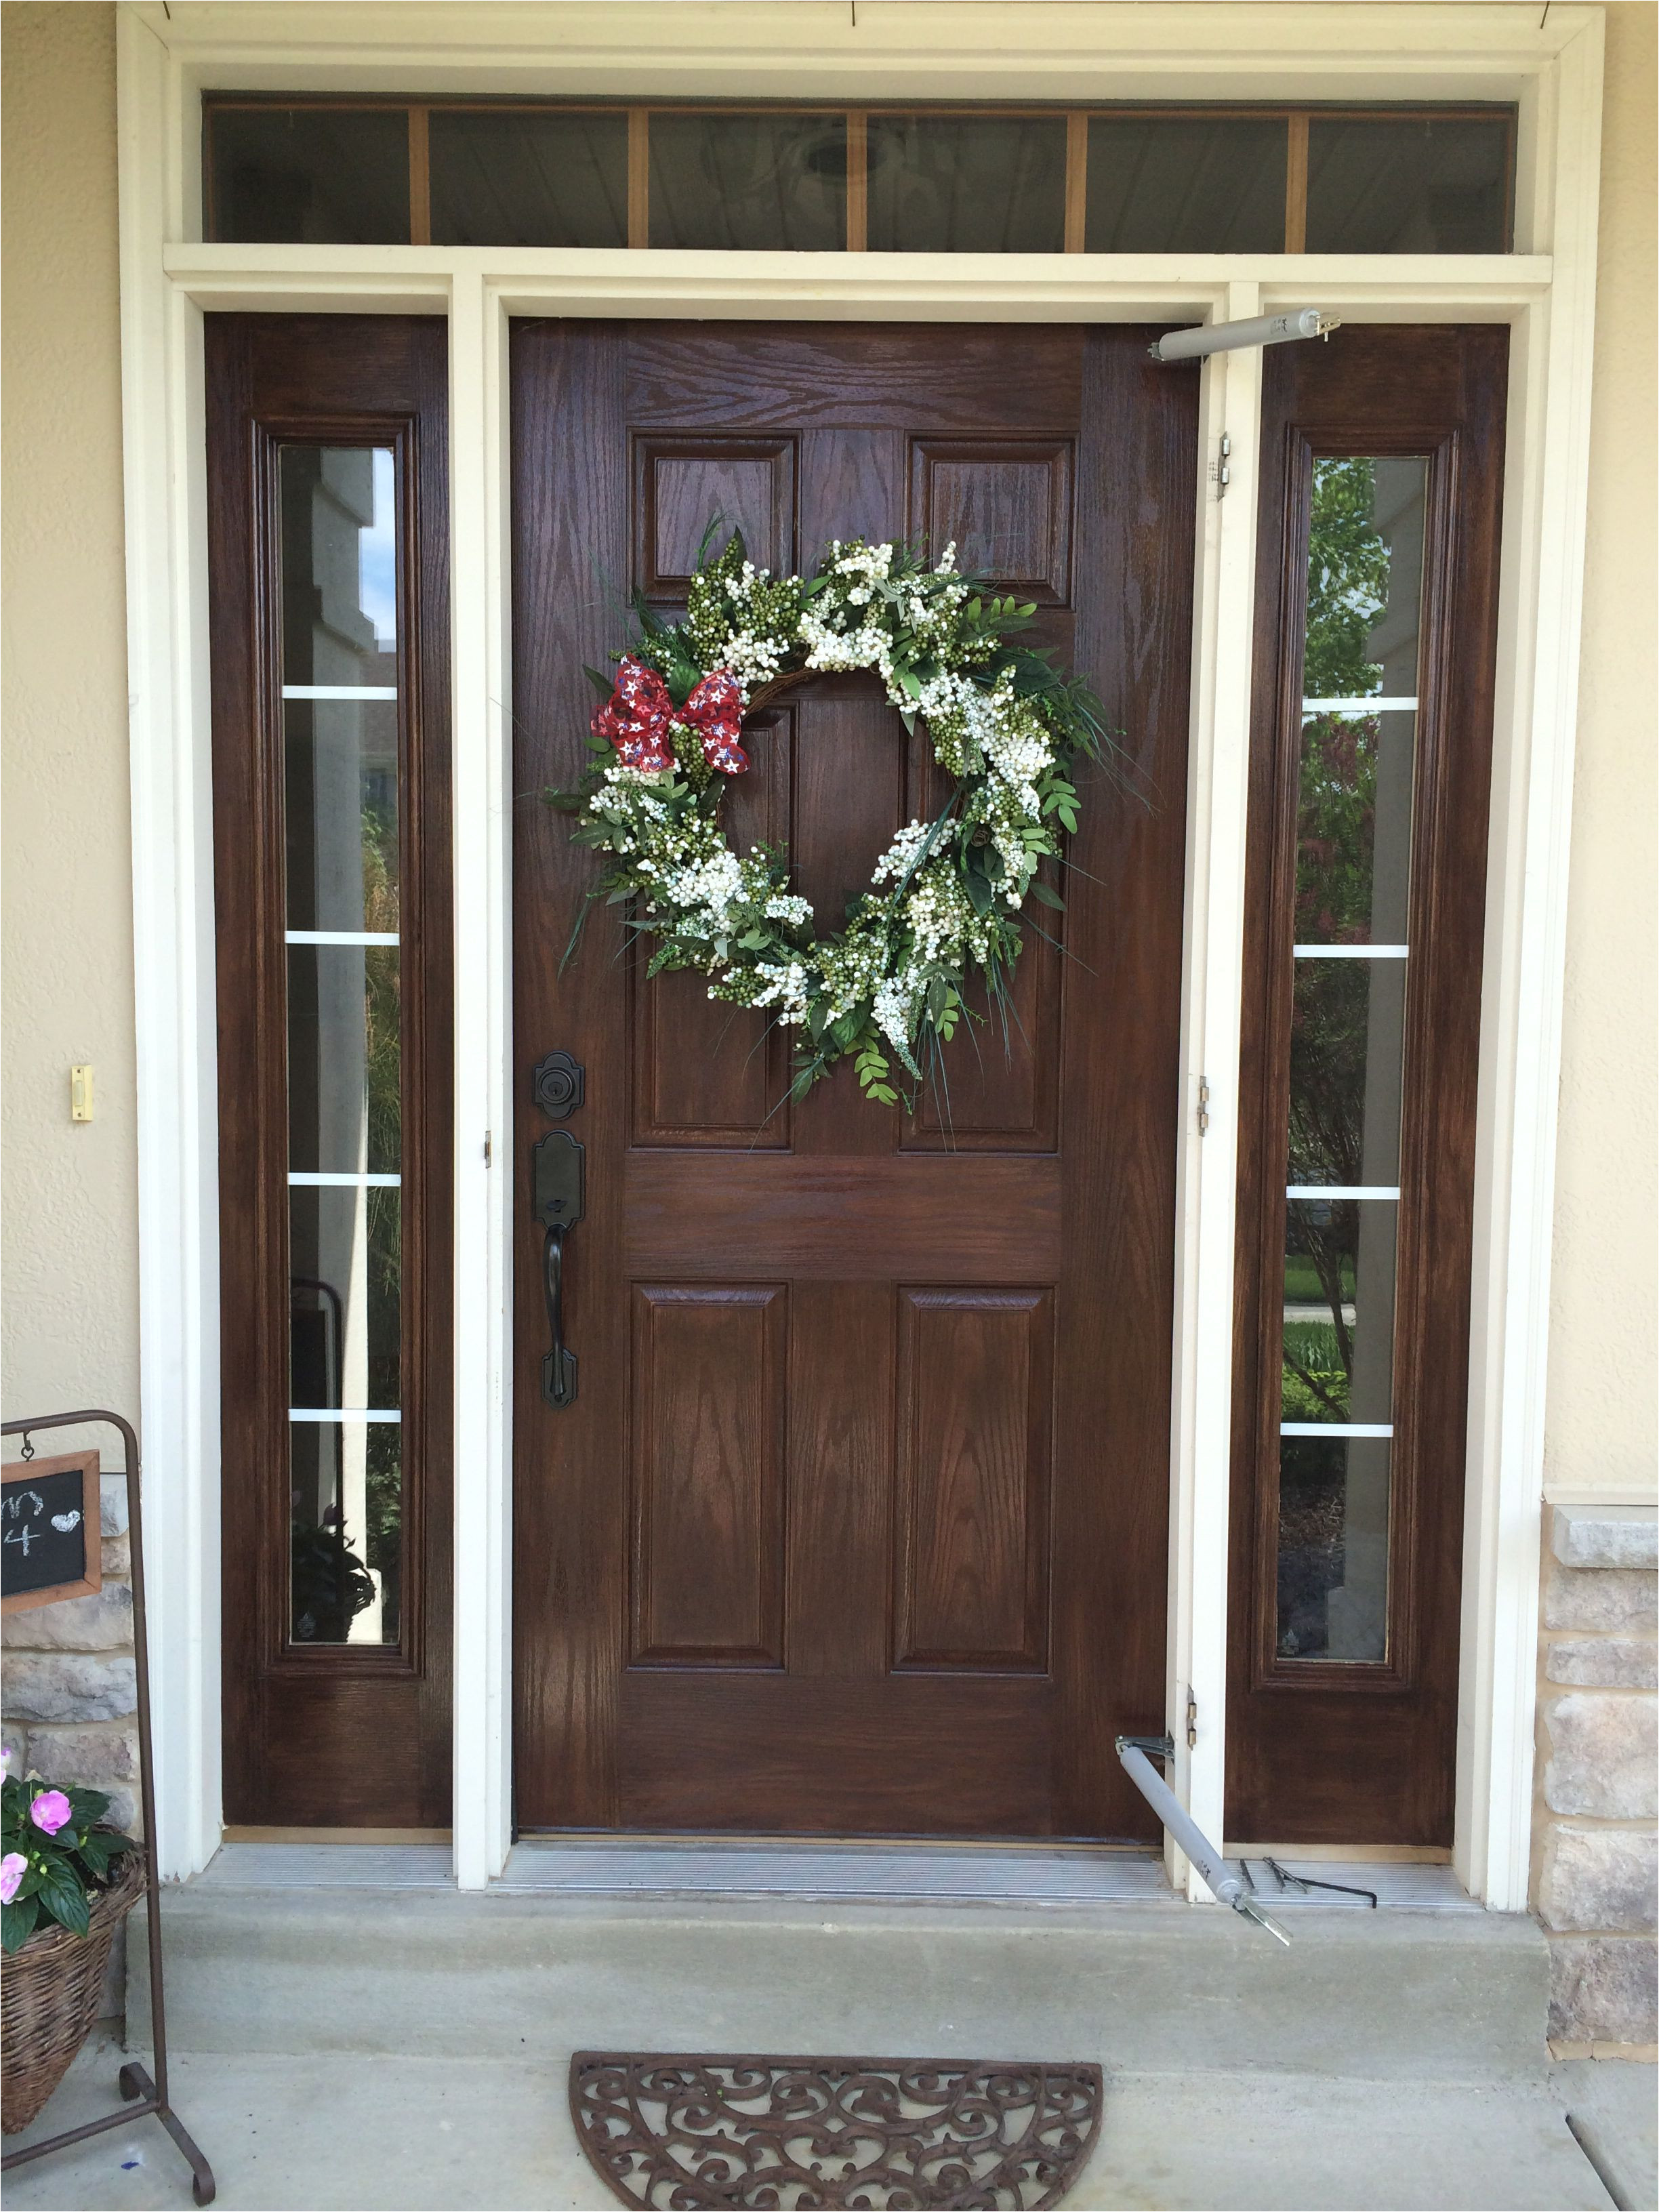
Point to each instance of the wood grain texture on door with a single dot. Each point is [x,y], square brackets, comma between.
[858,1523]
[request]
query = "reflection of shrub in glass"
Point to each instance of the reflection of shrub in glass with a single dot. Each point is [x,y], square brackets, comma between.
[1312,1556]
[331,1585]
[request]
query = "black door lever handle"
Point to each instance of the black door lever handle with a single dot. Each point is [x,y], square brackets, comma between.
[559,1367]
[558,1191]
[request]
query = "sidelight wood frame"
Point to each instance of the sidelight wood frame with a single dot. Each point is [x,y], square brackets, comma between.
[1293,1725]
[385,1690]
[901,51]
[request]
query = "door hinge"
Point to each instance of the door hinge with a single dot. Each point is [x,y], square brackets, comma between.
[1203,1105]
[489,1148]
[1221,473]
[1192,1719]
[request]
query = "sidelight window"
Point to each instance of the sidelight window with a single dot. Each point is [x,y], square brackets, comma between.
[860,180]
[340,701]
[328,600]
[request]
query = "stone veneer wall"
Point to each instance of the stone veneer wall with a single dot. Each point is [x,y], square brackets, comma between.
[68,1696]
[1596,1854]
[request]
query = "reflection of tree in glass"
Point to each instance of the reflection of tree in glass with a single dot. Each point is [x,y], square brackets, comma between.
[1348,575]
[384,1080]
[1347,582]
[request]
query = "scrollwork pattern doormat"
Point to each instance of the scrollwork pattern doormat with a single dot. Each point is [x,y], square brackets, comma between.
[677,2132]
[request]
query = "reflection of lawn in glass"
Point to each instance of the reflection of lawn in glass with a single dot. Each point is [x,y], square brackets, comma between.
[1315,1384]
[1302,1284]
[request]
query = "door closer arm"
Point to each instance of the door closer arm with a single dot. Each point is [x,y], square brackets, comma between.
[1224,1885]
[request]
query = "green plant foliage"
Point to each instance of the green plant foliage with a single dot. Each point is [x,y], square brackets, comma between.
[889,987]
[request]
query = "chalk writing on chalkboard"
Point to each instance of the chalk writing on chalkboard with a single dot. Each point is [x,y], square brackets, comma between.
[49,1530]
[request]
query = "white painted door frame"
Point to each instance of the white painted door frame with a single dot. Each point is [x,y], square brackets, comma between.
[802,48]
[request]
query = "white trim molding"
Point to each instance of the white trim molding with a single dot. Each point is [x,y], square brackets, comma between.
[1548,61]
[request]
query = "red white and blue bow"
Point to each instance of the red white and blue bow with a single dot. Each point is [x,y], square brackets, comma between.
[636,719]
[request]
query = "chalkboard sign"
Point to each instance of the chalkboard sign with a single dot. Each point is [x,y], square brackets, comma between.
[49,1530]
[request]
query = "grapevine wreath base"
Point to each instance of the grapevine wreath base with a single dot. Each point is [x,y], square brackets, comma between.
[945,899]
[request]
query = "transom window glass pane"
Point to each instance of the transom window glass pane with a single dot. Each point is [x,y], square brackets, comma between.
[339,675]
[312,175]
[501,177]
[763,182]
[1361,653]
[1409,184]
[1185,184]
[967,184]
[822,180]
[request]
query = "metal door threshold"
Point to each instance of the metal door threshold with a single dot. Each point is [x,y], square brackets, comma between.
[671,1868]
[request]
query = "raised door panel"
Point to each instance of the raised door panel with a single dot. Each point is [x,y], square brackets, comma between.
[682,484]
[971,1573]
[1005,504]
[708,1454]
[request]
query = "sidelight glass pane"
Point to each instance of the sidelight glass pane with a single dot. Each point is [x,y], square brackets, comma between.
[1347,1036]
[1363,618]
[345,1532]
[345,1246]
[967,184]
[341,803]
[1402,184]
[344,1260]
[341,795]
[1333,1547]
[1185,184]
[1350,980]
[1339,1311]
[761,182]
[344,1072]
[313,175]
[339,550]
[503,177]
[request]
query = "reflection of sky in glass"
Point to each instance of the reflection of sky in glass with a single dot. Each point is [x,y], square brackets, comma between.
[377,558]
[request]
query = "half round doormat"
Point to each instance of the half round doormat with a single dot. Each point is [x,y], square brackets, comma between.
[676,2131]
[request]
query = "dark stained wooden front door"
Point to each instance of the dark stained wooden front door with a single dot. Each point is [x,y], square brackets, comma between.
[857,1525]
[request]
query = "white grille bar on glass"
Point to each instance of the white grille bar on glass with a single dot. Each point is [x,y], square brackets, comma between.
[309,1179]
[1317,1190]
[340,937]
[339,691]
[1336,1428]
[1392,705]
[1340,952]
[344,1413]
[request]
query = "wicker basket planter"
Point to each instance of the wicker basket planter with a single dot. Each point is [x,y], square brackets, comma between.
[49,1993]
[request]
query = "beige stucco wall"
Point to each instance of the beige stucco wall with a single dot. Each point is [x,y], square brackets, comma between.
[69,1264]
[1602,1434]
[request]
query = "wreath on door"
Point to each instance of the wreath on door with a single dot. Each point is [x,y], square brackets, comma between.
[947,900]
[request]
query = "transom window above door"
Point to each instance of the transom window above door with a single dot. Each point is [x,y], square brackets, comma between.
[833,178]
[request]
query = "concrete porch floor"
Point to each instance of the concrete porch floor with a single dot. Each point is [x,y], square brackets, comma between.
[339,2133]
[348,2030]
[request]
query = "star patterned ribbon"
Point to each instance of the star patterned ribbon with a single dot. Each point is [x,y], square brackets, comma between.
[636,719]
[715,711]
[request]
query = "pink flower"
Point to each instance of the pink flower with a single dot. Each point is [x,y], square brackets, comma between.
[13,1867]
[50,1811]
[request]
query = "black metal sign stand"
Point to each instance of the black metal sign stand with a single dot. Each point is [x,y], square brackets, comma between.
[143,2094]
